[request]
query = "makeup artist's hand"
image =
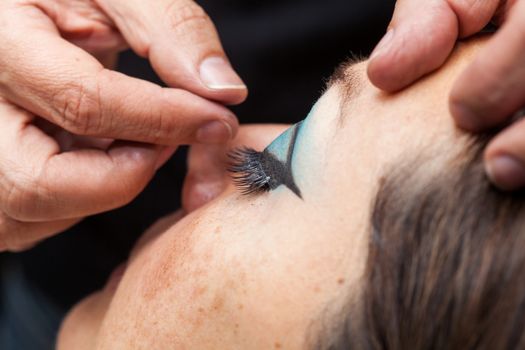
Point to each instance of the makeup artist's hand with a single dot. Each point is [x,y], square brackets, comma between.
[61,107]
[207,174]
[50,179]
[420,38]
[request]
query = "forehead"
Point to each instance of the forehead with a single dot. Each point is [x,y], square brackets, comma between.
[425,101]
[349,79]
[378,129]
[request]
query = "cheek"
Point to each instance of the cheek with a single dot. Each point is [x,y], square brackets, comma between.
[177,293]
[80,328]
[251,282]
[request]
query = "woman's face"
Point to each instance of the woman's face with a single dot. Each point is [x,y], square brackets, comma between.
[269,270]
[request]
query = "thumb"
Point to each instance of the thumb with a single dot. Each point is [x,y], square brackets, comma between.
[421,37]
[182,44]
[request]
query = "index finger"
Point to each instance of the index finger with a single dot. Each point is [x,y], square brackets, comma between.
[54,79]
[40,183]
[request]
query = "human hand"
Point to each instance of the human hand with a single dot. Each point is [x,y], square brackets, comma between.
[49,68]
[50,179]
[421,37]
[207,174]
[61,109]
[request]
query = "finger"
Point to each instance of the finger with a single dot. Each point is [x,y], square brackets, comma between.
[503,11]
[420,37]
[498,73]
[16,236]
[39,183]
[207,177]
[81,182]
[62,83]
[474,15]
[505,158]
[84,24]
[182,44]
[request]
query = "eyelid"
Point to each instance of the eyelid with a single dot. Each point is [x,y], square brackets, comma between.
[256,172]
[284,144]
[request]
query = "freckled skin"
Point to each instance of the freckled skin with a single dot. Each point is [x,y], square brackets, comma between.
[258,272]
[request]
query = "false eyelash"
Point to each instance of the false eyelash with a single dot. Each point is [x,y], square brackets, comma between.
[247,171]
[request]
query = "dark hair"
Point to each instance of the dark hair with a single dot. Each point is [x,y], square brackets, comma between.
[446,263]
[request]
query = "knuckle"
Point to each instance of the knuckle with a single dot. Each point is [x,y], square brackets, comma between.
[184,14]
[78,108]
[156,127]
[170,130]
[159,129]
[162,127]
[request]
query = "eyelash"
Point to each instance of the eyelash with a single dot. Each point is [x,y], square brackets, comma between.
[256,172]
[247,171]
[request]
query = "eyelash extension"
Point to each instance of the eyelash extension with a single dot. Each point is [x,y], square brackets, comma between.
[257,172]
[246,168]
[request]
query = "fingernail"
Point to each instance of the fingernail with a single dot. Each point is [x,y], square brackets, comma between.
[215,132]
[217,74]
[384,45]
[506,172]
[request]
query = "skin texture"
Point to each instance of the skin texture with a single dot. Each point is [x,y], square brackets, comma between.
[61,105]
[267,271]
[421,37]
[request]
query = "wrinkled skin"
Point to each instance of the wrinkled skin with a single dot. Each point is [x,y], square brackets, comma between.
[62,106]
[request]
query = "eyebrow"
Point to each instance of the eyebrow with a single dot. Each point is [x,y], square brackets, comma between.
[350,81]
